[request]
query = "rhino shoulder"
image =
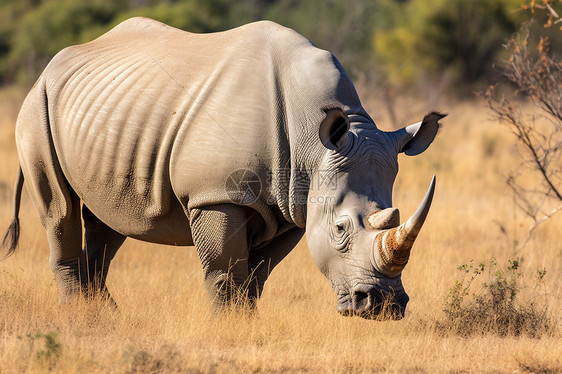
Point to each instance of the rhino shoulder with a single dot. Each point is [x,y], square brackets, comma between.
[139,25]
[270,27]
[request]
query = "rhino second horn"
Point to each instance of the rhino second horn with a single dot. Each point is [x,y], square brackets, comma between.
[384,219]
[394,245]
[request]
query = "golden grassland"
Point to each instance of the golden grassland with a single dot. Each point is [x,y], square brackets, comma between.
[164,321]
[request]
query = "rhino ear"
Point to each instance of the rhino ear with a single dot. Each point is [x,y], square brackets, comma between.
[334,129]
[415,139]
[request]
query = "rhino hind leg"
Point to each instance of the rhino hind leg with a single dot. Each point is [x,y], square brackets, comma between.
[220,236]
[56,203]
[65,239]
[101,243]
[59,212]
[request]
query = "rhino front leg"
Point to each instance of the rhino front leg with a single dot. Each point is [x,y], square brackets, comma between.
[220,236]
[263,260]
[101,243]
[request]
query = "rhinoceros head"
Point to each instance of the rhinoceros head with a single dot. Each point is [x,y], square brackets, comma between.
[353,231]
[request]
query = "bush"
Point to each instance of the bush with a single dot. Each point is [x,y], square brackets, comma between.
[496,307]
[46,349]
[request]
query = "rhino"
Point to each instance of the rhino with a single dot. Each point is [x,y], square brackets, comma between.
[235,142]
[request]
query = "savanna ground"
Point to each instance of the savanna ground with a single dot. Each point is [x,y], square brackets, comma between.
[164,321]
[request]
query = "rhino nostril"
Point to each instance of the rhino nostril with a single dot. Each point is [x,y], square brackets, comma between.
[361,301]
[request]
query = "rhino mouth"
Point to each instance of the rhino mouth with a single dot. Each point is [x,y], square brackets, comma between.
[373,304]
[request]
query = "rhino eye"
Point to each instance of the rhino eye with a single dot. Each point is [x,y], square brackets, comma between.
[344,223]
[342,233]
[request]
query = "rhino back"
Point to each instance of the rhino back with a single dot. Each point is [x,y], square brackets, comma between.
[148,120]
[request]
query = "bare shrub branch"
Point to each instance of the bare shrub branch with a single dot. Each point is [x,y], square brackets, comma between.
[535,74]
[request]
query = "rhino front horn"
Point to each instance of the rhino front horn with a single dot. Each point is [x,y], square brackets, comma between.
[394,245]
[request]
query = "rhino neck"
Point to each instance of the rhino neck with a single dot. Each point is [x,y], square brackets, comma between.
[305,82]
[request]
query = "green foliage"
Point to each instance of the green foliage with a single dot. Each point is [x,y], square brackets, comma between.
[345,29]
[461,289]
[399,40]
[34,31]
[495,307]
[48,28]
[193,15]
[462,37]
[11,11]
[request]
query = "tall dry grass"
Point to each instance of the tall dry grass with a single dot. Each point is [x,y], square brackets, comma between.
[164,322]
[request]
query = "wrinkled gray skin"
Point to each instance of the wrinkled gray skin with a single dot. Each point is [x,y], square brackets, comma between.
[139,130]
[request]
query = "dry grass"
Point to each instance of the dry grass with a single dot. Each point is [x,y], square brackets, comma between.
[164,323]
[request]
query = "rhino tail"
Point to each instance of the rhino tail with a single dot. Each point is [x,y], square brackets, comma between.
[11,238]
